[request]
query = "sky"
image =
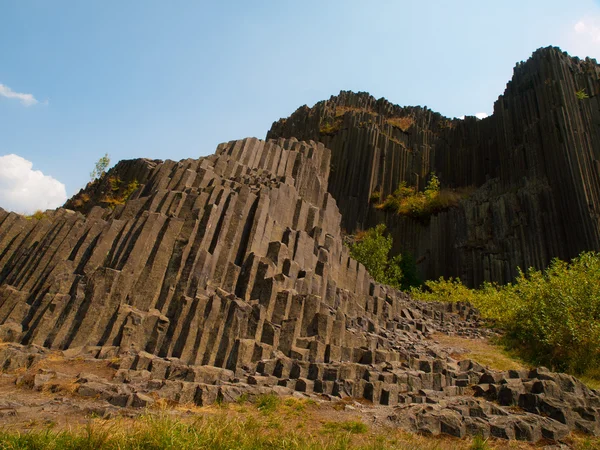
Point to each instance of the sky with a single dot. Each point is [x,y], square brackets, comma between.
[171,80]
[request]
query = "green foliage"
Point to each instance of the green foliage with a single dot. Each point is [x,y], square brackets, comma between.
[375,196]
[267,403]
[479,443]
[372,249]
[100,167]
[119,194]
[410,277]
[37,215]
[348,426]
[551,317]
[581,94]
[407,201]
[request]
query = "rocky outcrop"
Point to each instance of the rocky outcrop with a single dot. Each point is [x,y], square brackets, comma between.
[226,275]
[534,162]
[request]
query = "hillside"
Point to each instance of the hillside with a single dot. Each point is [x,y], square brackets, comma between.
[226,278]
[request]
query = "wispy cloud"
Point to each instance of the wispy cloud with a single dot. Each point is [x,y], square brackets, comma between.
[589,29]
[25,99]
[583,37]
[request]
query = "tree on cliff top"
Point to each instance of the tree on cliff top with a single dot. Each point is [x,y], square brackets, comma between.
[100,167]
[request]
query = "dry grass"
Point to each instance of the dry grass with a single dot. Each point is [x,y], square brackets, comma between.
[341,110]
[404,123]
[285,423]
[482,351]
[292,424]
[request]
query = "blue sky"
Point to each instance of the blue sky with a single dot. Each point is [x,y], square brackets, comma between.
[173,79]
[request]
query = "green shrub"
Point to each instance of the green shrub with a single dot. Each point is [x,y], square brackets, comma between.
[552,317]
[407,201]
[37,215]
[372,249]
[375,196]
[119,194]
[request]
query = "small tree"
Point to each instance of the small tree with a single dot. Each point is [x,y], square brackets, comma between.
[100,167]
[372,250]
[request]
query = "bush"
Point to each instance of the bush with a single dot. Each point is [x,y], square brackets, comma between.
[551,317]
[407,201]
[119,194]
[372,248]
[37,215]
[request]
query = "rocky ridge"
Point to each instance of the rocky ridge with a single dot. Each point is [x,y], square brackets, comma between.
[534,165]
[226,276]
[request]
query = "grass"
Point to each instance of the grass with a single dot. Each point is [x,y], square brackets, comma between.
[292,423]
[483,351]
[38,215]
[342,110]
[268,403]
[403,123]
[350,426]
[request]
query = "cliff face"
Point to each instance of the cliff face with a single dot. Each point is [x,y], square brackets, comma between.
[534,162]
[219,261]
[207,279]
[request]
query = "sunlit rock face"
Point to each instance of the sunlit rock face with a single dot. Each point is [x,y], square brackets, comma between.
[534,164]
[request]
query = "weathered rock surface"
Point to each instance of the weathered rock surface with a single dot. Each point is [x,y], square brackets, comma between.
[227,275]
[535,162]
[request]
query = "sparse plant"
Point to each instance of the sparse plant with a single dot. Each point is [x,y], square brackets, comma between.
[403,123]
[479,443]
[37,215]
[408,201]
[329,128]
[348,426]
[581,94]
[118,194]
[100,167]
[267,403]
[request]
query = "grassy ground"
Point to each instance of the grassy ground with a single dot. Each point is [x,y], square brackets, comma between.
[483,351]
[270,423]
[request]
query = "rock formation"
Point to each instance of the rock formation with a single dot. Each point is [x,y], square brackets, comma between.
[535,163]
[206,279]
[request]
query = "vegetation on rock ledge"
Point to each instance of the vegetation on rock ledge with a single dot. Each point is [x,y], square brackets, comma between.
[407,201]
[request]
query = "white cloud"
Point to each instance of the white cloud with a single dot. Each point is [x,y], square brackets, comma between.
[24,190]
[580,27]
[25,99]
[480,115]
[583,38]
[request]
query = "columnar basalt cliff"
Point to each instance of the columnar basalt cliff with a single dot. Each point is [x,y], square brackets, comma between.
[207,279]
[535,163]
[227,275]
